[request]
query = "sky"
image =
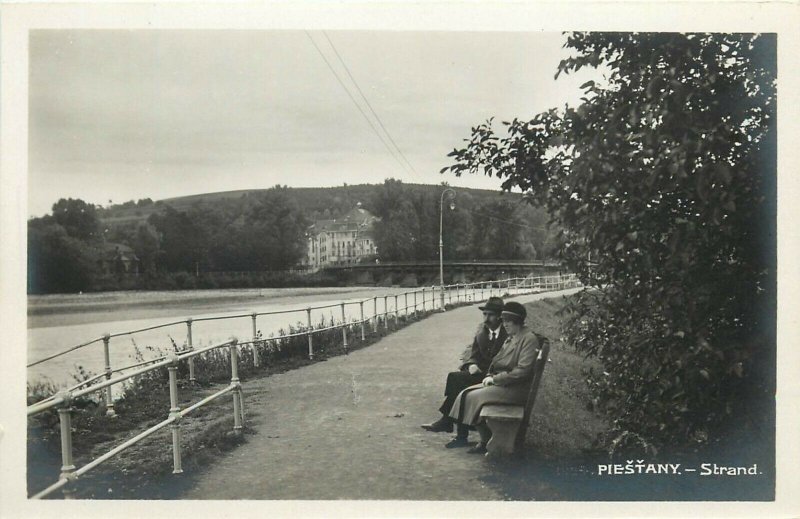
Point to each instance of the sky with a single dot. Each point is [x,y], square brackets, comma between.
[117,115]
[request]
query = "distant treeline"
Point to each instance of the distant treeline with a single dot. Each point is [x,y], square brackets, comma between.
[176,245]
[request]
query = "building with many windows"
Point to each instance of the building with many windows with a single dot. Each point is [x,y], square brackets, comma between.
[342,241]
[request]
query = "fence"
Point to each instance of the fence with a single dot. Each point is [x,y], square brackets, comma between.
[414,302]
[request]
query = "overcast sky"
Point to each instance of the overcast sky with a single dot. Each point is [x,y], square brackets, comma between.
[121,115]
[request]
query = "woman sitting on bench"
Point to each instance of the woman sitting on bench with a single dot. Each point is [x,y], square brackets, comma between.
[507,382]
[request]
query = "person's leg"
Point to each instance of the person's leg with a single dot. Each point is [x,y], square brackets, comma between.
[485,434]
[458,415]
[457,381]
[460,440]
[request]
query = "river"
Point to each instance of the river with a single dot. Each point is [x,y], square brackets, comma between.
[59,322]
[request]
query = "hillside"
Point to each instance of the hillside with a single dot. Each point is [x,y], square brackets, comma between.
[316,202]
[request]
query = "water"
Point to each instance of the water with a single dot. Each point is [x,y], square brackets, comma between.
[72,320]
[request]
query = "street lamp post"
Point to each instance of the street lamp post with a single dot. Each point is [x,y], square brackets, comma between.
[441,243]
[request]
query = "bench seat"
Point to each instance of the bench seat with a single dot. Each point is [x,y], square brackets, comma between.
[504,421]
[503,412]
[509,422]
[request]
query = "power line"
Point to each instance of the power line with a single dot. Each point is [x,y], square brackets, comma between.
[347,90]
[389,135]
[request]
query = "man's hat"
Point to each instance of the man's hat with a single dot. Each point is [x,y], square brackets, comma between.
[514,309]
[494,304]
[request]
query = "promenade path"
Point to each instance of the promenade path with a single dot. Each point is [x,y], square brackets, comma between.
[349,428]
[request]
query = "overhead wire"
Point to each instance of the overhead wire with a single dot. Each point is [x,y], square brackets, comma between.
[366,101]
[347,90]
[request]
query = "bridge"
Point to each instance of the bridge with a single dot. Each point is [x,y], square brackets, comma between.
[422,273]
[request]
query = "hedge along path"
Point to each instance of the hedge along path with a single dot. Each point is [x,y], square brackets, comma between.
[349,428]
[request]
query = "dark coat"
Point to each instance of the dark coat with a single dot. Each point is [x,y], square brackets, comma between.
[512,372]
[483,350]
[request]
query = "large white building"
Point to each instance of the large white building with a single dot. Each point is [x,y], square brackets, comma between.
[342,241]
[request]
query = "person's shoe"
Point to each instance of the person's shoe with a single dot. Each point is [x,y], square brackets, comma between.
[440,425]
[456,442]
[479,448]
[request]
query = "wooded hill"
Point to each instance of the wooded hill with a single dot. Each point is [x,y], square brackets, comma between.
[315,202]
[84,247]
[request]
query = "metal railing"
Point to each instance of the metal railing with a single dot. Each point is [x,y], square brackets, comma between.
[423,298]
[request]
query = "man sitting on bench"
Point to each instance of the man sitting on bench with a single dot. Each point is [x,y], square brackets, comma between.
[486,343]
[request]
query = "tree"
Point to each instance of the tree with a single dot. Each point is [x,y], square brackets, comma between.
[663,181]
[501,233]
[78,218]
[145,245]
[57,262]
[184,243]
[397,231]
[276,230]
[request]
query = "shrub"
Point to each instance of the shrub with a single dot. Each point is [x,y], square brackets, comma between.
[663,180]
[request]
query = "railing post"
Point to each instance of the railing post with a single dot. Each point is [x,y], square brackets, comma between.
[441,296]
[396,311]
[405,296]
[308,334]
[423,300]
[361,307]
[415,303]
[192,378]
[256,356]
[175,414]
[109,399]
[375,314]
[65,423]
[344,330]
[385,312]
[237,392]
[482,287]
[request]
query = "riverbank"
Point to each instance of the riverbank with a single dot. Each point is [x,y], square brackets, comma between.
[144,470]
[72,309]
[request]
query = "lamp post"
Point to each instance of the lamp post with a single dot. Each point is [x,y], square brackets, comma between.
[441,243]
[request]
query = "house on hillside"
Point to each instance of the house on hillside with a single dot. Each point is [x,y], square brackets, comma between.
[117,258]
[341,241]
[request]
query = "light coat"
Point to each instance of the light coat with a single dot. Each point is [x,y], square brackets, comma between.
[512,372]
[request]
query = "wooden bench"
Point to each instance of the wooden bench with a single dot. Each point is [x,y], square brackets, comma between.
[508,422]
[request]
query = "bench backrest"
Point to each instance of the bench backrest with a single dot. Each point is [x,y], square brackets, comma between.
[538,372]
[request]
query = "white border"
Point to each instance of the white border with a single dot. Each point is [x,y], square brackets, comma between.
[17,19]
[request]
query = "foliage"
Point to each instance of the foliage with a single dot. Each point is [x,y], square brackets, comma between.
[474,229]
[250,239]
[57,262]
[183,241]
[663,181]
[78,218]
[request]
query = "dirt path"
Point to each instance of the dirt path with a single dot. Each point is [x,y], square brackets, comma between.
[349,428]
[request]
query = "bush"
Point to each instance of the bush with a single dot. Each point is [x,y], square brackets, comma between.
[663,180]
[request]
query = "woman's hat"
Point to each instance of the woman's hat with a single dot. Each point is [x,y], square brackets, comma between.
[514,309]
[494,304]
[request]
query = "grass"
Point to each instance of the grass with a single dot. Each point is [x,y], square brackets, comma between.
[567,439]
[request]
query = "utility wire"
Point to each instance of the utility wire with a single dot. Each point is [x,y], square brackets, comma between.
[347,90]
[389,135]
